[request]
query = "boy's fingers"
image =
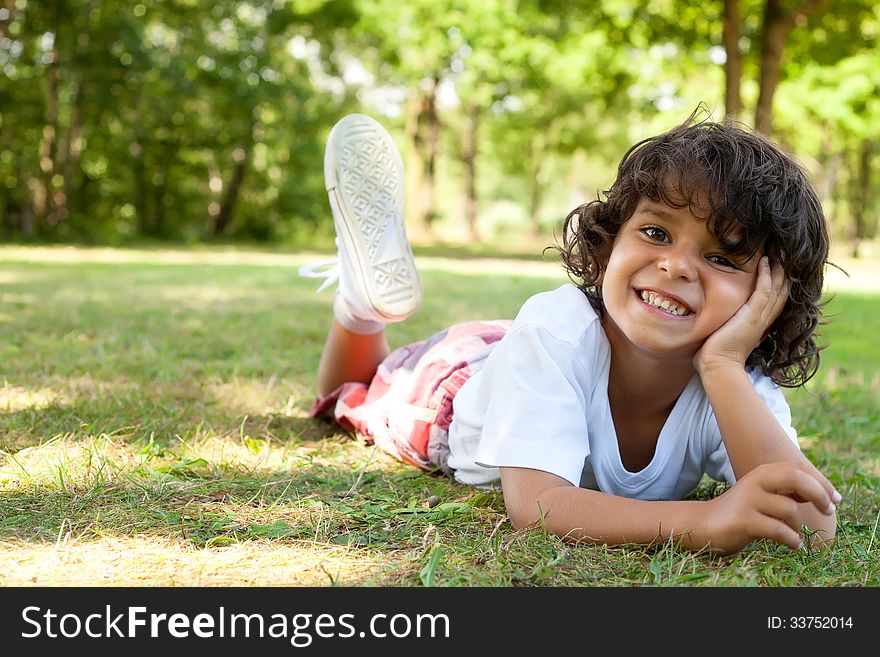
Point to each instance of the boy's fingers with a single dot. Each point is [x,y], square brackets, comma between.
[765,278]
[781,284]
[789,479]
[762,296]
[777,281]
[777,306]
[768,527]
[778,274]
[779,288]
[781,507]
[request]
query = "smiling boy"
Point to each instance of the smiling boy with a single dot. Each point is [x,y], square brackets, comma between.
[601,406]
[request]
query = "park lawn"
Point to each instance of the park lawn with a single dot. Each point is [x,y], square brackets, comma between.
[154,430]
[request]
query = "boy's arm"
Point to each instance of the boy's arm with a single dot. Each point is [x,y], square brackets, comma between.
[759,506]
[752,435]
[533,497]
[750,431]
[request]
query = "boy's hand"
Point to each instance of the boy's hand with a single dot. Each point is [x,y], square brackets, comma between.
[764,504]
[737,337]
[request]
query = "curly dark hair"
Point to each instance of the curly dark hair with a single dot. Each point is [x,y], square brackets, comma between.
[754,197]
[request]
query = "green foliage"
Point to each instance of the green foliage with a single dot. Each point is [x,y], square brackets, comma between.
[193,121]
[163,120]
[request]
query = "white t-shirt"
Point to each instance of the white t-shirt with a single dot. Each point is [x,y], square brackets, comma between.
[541,402]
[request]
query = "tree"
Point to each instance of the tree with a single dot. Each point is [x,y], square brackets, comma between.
[731,33]
[843,115]
[777,25]
[411,46]
[167,120]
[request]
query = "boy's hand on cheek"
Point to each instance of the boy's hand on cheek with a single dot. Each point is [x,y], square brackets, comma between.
[732,343]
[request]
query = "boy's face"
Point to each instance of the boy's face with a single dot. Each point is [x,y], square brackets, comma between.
[669,284]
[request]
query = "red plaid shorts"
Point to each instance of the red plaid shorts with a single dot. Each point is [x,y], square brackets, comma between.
[407,407]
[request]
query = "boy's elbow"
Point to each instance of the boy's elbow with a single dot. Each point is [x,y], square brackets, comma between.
[516,521]
[525,513]
[521,518]
[529,496]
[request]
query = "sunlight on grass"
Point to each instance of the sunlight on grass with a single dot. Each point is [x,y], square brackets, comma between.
[64,462]
[243,396]
[97,558]
[17,398]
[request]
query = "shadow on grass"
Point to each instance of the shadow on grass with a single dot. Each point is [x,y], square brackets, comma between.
[376,513]
[32,427]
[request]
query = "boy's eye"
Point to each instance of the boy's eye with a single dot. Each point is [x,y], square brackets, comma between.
[722,261]
[655,233]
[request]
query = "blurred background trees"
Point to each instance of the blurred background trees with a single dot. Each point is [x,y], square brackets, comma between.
[192,121]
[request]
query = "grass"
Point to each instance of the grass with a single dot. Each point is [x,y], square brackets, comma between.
[154,431]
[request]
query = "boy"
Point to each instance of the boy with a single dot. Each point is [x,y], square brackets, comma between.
[601,406]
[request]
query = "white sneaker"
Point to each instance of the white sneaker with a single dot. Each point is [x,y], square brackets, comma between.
[363,173]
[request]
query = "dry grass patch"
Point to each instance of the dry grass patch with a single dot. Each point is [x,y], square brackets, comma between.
[161,561]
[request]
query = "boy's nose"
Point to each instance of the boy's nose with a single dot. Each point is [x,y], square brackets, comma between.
[678,263]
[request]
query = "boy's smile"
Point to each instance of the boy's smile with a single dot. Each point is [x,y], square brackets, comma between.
[669,284]
[667,304]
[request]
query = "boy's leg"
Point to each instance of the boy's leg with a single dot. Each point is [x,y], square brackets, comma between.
[378,281]
[349,356]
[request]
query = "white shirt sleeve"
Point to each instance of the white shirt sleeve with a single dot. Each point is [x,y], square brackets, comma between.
[535,408]
[718,463]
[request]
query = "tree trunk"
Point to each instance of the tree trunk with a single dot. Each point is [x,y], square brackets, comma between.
[160,191]
[733,65]
[423,127]
[839,217]
[12,203]
[241,157]
[431,144]
[860,190]
[138,152]
[141,185]
[778,24]
[538,159]
[536,200]
[37,206]
[415,167]
[44,201]
[27,222]
[468,157]
[157,223]
[829,167]
[69,162]
[70,157]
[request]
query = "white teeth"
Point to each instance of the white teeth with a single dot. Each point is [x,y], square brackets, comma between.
[663,303]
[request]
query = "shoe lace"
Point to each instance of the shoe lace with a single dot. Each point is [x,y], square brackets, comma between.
[326,269]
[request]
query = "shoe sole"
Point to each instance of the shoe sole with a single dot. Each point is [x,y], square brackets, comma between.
[363,173]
